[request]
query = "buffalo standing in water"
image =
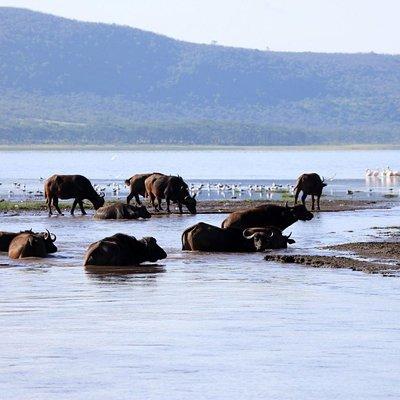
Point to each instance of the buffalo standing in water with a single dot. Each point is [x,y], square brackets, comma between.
[309,184]
[205,237]
[71,187]
[172,189]
[122,211]
[123,250]
[137,186]
[267,215]
[32,245]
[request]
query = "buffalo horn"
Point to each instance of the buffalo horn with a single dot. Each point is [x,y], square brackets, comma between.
[248,236]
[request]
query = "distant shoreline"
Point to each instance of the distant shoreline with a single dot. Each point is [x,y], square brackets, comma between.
[168,147]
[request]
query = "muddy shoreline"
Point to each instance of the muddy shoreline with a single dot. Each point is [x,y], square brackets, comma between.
[203,206]
[369,257]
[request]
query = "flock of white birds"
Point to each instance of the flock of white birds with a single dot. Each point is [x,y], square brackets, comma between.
[384,173]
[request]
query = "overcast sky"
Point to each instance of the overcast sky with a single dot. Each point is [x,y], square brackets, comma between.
[294,25]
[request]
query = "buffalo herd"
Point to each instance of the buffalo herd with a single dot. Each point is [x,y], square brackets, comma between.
[251,230]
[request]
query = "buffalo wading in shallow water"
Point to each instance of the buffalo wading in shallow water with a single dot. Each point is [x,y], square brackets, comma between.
[137,187]
[172,189]
[75,187]
[205,237]
[32,245]
[267,215]
[309,184]
[123,250]
[122,211]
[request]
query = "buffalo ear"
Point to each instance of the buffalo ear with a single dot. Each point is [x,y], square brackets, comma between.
[194,196]
[291,241]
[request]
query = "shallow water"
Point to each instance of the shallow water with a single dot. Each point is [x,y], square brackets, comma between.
[201,326]
[343,169]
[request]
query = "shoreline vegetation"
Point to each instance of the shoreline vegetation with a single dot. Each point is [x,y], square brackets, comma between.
[184,147]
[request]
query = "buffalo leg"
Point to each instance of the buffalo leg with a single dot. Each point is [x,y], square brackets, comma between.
[48,201]
[313,202]
[318,199]
[55,204]
[180,207]
[168,204]
[138,200]
[152,198]
[129,198]
[296,196]
[81,207]
[303,199]
[159,203]
[73,206]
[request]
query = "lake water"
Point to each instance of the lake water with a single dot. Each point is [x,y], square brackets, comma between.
[343,169]
[199,326]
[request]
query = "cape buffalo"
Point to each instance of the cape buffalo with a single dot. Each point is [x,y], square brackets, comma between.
[32,245]
[122,211]
[205,237]
[137,187]
[122,250]
[170,188]
[71,187]
[267,215]
[309,184]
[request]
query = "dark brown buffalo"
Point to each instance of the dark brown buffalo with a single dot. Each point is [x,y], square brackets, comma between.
[309,184]
[71,187]
[205,237]
[267,215]
[172,189]
[137,186]
[122,211]
[32,245]
[123,250]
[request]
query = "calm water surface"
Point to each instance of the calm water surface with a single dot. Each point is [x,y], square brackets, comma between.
[197,326]
[196,164]
[344,170]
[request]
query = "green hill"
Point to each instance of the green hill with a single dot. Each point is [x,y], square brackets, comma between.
[65,81]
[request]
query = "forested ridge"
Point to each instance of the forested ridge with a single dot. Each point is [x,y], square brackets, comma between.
[65,81]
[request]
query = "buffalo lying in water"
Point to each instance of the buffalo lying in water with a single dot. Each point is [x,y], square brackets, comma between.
[172,189]
[205,237]
[75,187]
[309,184]
[267,215]
[29,244]
[137,186]
[122,211]
[123,250]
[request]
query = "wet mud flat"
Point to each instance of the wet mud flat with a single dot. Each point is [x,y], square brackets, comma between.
[369,257]
[203,206]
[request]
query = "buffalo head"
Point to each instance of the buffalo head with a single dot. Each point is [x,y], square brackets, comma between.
[300,212]
[98,201]
[153,250]
[190,203]
[49,239]
[141,212]
[267,238]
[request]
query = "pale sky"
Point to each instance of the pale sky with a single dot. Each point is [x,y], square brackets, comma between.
[293,25]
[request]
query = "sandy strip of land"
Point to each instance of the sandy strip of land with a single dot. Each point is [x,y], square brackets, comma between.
[369,257]
[203,206]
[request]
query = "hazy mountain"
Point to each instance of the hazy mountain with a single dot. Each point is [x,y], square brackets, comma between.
[70,81]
